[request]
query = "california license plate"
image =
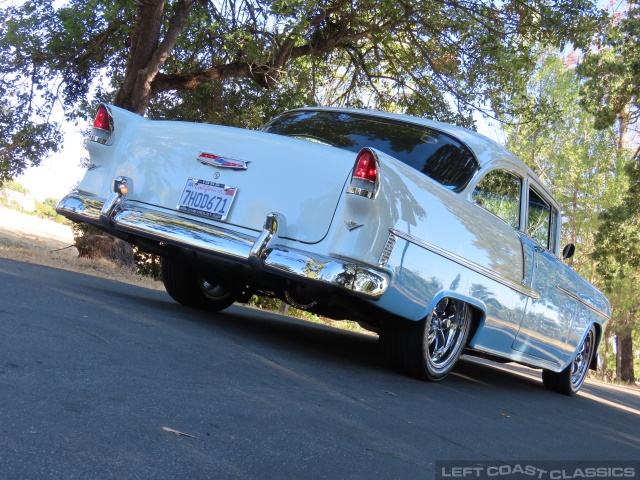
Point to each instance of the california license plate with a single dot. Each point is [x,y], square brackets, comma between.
[208,199]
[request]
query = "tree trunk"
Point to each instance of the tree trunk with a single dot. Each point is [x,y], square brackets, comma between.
[623,137]
[148,53]
[605,355]
[626,358]
[618,356]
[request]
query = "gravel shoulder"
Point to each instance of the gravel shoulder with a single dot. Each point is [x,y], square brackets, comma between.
[30,239]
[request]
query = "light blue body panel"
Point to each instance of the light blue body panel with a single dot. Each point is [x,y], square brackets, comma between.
[533,308]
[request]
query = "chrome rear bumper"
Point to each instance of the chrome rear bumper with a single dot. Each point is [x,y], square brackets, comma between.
[261,252]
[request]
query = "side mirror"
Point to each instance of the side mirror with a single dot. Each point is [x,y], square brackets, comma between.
[568,251]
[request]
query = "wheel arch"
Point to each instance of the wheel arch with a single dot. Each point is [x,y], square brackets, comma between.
[477,308]
[593,365]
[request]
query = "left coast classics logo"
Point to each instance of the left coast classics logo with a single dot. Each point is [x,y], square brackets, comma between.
[222,162]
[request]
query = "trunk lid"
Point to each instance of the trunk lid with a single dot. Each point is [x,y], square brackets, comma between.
[300,179]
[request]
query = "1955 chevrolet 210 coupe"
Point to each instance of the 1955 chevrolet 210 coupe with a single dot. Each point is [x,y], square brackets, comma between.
[432,235]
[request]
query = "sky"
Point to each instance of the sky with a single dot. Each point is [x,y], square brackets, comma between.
[59,173]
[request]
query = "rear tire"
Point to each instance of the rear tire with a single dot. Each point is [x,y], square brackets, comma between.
[428,349]
[192,289]
[569,380]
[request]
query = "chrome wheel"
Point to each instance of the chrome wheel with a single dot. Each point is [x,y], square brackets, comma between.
[445,339]
[569,380]
[428,349]
[580,363]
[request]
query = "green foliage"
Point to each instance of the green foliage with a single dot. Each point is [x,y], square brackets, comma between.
[618,238]
[612,71]
[15,186]
[589,175]
[52,202]
[579,164]
[239,62]
[147,264]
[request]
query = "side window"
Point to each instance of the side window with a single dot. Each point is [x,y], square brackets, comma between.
[499,192]
[539,222]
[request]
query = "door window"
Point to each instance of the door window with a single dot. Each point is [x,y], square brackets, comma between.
[499,192]
[539,220]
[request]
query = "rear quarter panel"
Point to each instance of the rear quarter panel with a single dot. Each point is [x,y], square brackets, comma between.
[429,218]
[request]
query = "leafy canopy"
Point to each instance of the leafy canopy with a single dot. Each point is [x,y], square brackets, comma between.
[611,89]
[239,61]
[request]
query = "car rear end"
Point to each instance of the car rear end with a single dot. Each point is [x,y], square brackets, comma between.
[256,205]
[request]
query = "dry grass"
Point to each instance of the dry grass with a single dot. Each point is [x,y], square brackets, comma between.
[69,260]
[29,239]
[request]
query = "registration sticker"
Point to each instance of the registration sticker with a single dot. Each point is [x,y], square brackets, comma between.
[208,199]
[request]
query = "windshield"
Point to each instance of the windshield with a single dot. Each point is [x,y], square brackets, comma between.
[431,152]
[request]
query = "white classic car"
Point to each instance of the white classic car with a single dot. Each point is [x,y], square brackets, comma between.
[432,235]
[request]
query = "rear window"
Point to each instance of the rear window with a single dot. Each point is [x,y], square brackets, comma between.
[433,153]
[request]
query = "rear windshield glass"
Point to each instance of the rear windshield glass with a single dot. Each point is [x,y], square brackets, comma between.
[433,153]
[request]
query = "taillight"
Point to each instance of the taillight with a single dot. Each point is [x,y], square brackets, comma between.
[366,167]
[102,119]
[102,126]
[365,180]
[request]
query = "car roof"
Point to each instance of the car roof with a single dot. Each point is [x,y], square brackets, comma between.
[484,149]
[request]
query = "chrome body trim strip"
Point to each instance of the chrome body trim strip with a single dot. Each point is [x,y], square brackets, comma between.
[524,290]
[261,252]
[576,297]
[387,250]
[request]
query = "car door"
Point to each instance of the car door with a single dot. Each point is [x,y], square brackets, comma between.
[547,323]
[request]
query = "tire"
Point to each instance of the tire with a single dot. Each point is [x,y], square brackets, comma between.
[429,349]
[190,288]
[569,380]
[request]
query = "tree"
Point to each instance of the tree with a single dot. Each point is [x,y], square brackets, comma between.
[586,171]
[578,162]
[433,58]
[618,262]
[611,91]
[611,71]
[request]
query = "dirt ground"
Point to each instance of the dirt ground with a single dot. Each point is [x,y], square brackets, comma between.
[30,239]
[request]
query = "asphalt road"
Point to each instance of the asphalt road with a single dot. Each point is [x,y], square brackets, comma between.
[91,371]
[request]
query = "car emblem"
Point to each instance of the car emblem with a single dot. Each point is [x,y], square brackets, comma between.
[353,225]
[222,162]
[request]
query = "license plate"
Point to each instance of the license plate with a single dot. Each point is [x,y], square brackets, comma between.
[208,199]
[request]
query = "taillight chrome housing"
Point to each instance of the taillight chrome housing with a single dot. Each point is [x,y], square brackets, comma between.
[102,130]
[365,180]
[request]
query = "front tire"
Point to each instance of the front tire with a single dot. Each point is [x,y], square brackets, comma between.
[429,349]
[569,380]
[192,289]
